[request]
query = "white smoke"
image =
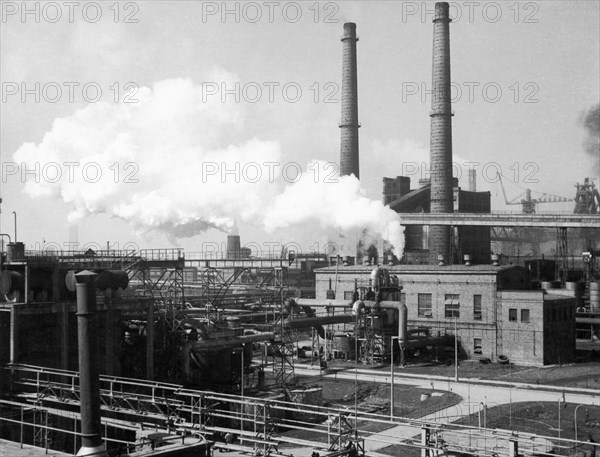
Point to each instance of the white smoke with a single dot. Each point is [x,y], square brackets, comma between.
[161,146]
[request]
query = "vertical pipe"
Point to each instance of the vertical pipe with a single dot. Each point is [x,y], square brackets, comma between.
[349,163]
[441,134]
[87,328]
[14,333]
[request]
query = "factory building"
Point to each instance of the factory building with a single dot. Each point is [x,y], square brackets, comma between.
[494,311]
[465,240]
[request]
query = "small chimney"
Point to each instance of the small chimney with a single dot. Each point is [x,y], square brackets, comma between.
[472,180]
[349,122]
[233,247]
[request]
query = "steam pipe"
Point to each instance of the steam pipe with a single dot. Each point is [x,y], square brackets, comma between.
[231,342]
[401,307]
[316,321]
[319,303]
[89,382]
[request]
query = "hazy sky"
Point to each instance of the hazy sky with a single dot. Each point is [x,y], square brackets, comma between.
[526,71]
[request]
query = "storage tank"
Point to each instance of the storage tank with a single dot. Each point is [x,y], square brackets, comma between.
[15,252]
[10,281]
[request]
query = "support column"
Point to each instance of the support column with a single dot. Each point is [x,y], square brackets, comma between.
[150,341]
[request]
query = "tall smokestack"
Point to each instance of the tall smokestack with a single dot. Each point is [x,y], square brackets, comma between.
[349,123]
[441,133]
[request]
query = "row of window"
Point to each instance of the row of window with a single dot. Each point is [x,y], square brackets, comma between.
[451,306]
[512,315]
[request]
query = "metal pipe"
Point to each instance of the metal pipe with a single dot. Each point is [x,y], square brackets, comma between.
[323,303]
[6,235]
[15,214]
[316,321]
[230,342]
[89,382]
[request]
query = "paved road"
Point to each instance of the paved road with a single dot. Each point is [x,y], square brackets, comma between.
[474,396]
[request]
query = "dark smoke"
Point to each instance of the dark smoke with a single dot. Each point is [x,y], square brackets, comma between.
[590,120]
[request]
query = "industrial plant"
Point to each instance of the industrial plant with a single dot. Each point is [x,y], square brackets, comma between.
[170,353]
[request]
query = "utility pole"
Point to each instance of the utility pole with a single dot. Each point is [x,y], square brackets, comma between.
[455,350]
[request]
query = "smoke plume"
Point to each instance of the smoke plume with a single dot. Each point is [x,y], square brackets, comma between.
[590,121]
[178,162]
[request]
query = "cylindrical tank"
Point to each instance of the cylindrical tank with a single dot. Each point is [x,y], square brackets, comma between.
[577,288]
[15,252]
[595,297]
[341,342]
[375,277]
[112,279]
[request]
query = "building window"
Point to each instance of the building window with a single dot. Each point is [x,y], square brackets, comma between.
[424,305]
[477,307]
[348,295]
[477,346]
[524,315]
[452,306]
[512,315]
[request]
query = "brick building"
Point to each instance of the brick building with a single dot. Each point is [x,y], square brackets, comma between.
[495,311]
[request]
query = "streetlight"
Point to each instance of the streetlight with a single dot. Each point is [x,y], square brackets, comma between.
[576,408]
[392,338]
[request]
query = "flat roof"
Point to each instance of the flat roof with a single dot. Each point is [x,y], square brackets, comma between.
[557,297]
[403,268]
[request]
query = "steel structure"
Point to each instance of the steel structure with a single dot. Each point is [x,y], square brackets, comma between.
[258,422]
[550,220]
